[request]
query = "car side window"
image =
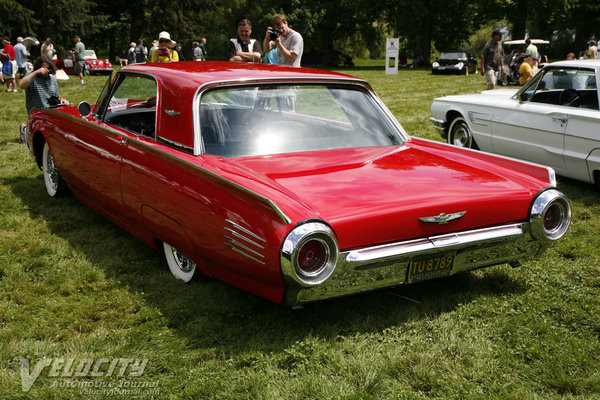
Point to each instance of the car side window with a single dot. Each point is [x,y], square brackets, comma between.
[569,87]
[132,106]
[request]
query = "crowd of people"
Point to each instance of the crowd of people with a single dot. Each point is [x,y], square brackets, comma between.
[280,45]
[283,45]
[526,61]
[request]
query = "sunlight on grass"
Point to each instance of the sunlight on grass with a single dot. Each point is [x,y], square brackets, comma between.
[75,286]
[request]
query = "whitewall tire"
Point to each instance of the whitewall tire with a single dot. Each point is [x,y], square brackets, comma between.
[181,267]
[55,185]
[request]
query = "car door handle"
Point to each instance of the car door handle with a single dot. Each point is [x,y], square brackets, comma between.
[121,139]
[562,120]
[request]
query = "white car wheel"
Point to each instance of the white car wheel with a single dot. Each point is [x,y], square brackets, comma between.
[459,134]
[181,267]
[55,185]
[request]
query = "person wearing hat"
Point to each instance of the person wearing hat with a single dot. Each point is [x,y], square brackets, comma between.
[165,51]
[21,55]
[9,66]
[47,49]
[492,59]
[592,51]
[179,52]
[526,69]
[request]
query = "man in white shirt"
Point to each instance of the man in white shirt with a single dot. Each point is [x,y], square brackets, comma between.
[288,42]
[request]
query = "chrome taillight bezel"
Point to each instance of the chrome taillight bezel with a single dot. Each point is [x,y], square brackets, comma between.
[295,240]
[551,200]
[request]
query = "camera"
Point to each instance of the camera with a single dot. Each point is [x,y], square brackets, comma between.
[275,33]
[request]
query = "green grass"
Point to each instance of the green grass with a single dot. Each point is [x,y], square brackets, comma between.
[74,286]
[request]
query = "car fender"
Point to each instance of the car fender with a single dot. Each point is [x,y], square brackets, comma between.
[477,117]
[593,164]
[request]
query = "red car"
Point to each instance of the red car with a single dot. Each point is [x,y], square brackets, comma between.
[92,64]
[293,184]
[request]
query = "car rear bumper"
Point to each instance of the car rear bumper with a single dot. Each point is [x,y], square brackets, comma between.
[388,265]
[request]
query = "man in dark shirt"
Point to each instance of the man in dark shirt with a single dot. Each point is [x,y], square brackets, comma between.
[492,59]
[244,49]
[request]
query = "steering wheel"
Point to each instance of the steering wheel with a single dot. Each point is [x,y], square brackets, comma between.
[568,97]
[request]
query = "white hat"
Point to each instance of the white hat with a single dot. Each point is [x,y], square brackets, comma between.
[165,35]
[19,39]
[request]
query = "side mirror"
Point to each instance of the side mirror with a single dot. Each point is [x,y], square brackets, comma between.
[84,108]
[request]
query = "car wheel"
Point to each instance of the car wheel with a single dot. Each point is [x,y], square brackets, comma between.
[181,267]
[55,185]
[459,134]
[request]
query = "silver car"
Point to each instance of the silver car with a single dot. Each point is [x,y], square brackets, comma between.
[554,119]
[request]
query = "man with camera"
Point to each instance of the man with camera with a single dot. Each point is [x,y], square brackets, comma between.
[289,43]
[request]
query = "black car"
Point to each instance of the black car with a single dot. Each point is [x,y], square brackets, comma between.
[454,62]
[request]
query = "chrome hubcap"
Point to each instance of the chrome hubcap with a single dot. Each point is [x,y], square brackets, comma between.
[51,171]
[184,263]
[461,136]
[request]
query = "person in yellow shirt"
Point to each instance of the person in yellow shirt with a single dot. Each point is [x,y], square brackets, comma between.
[526,69]
[165,51]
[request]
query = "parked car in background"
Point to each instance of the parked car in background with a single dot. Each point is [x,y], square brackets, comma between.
[553,120]
[454,62]
[93,64]
[293,184]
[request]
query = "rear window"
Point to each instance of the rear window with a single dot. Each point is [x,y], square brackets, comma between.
[274,119]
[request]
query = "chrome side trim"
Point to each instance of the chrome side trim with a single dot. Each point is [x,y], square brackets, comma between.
[246,231]
[387,265]
[250,248]
[243,253]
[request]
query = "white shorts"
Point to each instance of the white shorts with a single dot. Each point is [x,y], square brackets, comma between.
[491,77]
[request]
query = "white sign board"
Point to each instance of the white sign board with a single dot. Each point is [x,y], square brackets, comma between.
[391,51]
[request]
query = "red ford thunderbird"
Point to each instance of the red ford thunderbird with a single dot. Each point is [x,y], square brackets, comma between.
[293,184]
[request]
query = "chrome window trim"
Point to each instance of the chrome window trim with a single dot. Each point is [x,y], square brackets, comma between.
[198,143]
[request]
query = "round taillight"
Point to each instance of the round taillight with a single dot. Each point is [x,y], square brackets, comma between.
[550,215]
[553,217]
[309,254]
[312,257]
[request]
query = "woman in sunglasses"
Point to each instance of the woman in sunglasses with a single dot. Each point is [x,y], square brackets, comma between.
[165,50]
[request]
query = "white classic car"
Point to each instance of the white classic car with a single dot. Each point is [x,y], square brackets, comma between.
[553,120]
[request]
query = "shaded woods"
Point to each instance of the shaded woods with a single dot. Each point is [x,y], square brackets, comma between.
[332,30]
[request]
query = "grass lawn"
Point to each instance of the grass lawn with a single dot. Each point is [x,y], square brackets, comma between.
[81,295]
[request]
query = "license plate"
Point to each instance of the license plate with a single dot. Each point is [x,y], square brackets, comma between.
[430,267]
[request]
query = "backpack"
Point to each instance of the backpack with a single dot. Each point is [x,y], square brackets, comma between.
[7,68]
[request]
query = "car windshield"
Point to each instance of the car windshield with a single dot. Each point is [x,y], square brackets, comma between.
[89,54]
[453,56]
[273,119]
[569,86]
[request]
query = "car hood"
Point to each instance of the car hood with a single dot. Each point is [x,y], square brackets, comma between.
[377,195]
[485,98]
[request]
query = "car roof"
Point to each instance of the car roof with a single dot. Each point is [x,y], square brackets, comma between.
[522,41]
[593,63]
[179,82]
[194,74]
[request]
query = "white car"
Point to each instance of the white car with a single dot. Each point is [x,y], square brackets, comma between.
[554,119]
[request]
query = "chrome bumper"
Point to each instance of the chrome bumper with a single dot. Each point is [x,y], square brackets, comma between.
[387,265]
[439,124]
